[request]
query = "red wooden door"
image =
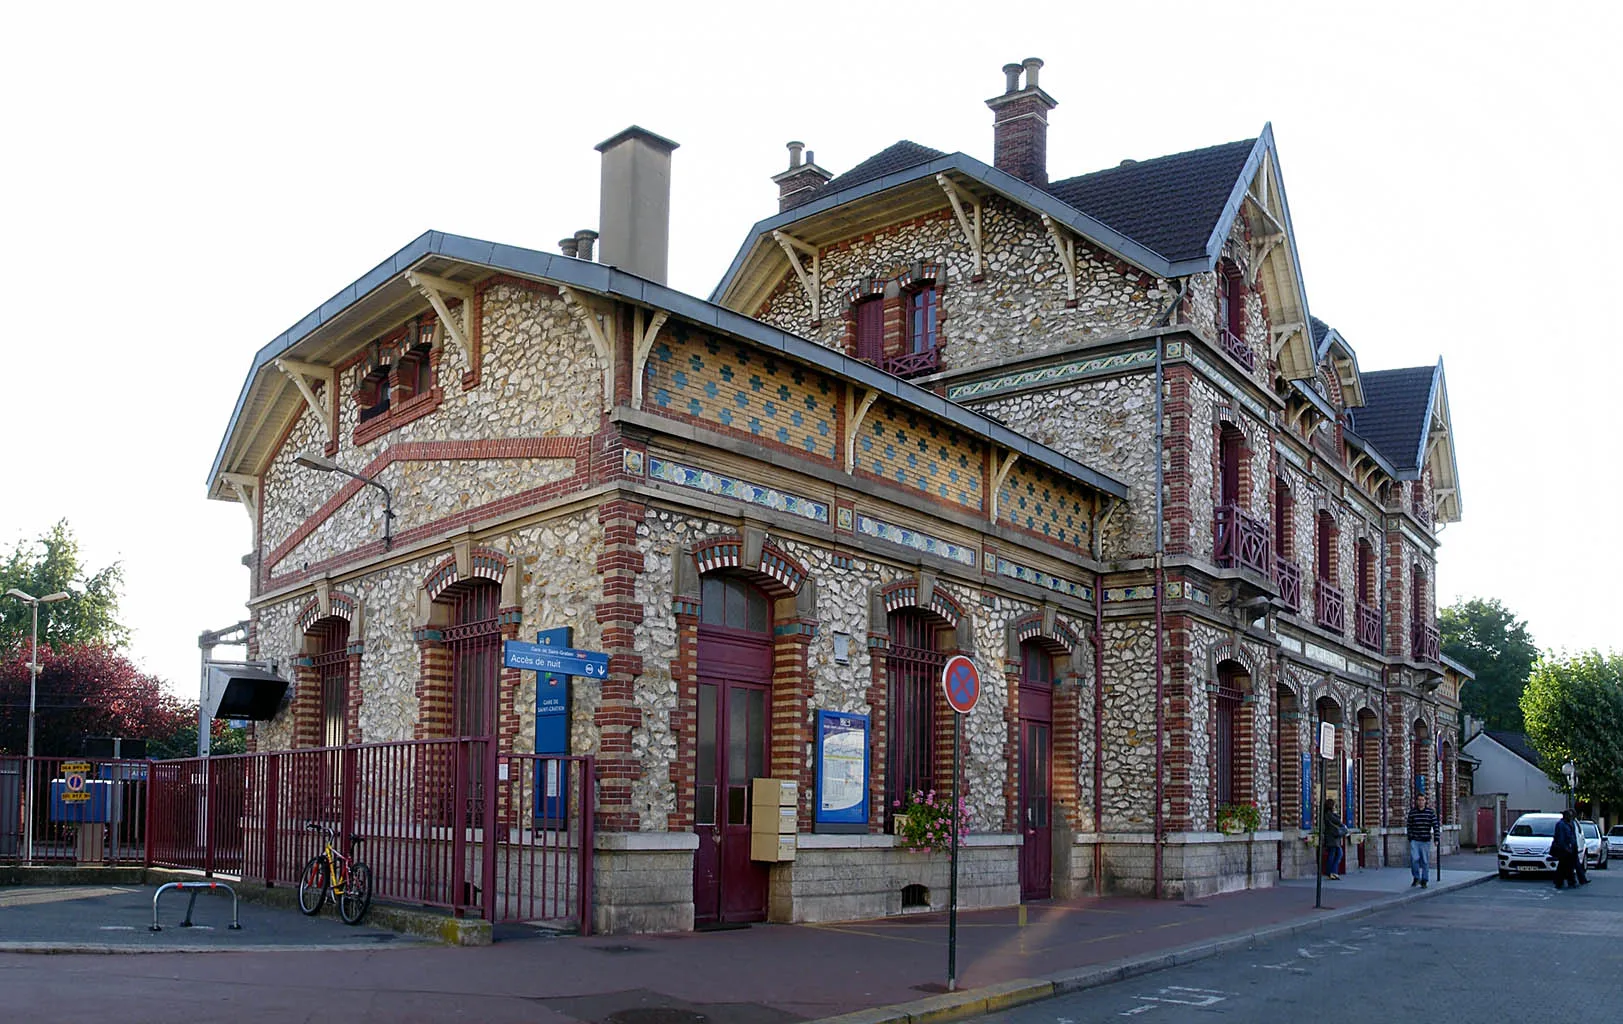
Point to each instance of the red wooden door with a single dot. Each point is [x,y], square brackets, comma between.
[1036,773]
[734,712]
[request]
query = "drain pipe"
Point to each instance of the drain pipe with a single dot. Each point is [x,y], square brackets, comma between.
[1160,597]
[1098,733]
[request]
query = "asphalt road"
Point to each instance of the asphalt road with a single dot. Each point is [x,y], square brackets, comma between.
[1506,950]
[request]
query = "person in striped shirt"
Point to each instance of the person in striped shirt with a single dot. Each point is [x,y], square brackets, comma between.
[1423,827]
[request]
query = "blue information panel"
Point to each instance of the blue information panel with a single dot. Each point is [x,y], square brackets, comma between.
[565,661]
[552,702]
[842,773]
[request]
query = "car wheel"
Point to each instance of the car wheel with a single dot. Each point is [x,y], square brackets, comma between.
[1503,873]
[1604,861]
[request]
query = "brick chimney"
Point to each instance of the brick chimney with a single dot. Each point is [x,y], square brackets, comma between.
[634,205]
[802,181]
[1020,124]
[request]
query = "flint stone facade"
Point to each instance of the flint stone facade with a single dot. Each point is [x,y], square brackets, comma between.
[596,448]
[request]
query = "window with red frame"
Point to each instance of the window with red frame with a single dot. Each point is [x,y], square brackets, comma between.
[1225,717]
[1231,300]
[1326,543]
[921,320]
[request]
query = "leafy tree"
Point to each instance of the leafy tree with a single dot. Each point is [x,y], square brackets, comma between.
[1485,637]
[47,566]
[85,691]
[1574,712]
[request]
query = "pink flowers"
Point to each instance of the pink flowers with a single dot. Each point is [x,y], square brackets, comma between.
[928,823]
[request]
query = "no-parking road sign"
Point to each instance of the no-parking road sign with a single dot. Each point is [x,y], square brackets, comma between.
[961,682]
[73,774]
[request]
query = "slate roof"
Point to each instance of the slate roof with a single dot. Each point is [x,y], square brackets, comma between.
[1393,417]
[900,156]
[1170,204]
[1516,743]
[1319,329]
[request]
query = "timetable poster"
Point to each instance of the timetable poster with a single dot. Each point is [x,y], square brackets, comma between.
[842,772]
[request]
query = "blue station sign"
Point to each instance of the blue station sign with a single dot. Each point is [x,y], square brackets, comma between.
[563,661]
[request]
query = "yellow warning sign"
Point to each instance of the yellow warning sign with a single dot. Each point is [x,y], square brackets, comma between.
[75,767]
[73,774]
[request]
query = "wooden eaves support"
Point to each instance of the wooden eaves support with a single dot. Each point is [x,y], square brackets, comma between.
[1065,249]
[967,211]
[810,280]
[439,291]
[596,315]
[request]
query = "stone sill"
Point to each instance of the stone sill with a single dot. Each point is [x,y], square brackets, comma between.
[646,841]
[819,841]
[1171,838]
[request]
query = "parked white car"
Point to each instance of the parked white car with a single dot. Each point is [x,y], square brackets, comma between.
[1525,849]
[1597,851]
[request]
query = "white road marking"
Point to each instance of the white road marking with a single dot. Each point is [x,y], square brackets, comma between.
[1178,995]
[118,928]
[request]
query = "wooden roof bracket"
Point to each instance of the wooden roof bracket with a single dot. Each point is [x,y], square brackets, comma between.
[438,291]
[595,314]
[643,339]
[810,281]
[1000,473]
[301,374]
[1259,252]
[1283,334]
[1262,207]
[855,412]
[1065,249]
[247,491]
[969,223]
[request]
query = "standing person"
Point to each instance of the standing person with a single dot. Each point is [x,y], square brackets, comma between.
[1564,845]
[1422,825]
[1335,858]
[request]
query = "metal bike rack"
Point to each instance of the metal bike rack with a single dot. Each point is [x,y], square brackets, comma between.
[195,888]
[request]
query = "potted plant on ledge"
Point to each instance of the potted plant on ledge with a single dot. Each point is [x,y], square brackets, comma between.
[1236,819]
[925,823]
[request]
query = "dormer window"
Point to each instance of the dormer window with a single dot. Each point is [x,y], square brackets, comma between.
[394,380]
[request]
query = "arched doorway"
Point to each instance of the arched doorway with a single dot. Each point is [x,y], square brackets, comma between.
[734,712]
[1329,774]
[1421,766]
[1036,783]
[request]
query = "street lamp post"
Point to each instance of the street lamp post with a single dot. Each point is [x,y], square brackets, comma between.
[309,460]
[33,687]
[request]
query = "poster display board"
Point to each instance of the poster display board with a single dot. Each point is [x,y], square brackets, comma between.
[841,797]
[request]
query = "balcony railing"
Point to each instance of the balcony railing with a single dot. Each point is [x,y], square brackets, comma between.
[1242,542]
[1427,642]
[1237,348]
[1419,506]
[912,364]
[1332,607]
[1368,623]
[1289,577]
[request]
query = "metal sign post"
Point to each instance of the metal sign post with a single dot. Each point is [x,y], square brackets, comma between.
[961,682]
[1327,751]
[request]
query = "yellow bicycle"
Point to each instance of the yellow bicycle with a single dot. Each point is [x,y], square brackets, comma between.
[331,876]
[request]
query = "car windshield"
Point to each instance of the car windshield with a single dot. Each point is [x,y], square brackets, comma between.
[1591,831]
[1534,827]
[1617,830]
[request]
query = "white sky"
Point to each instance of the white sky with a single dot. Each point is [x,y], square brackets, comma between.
[181,184]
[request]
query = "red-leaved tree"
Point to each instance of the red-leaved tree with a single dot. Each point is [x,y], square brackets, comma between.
[89,690]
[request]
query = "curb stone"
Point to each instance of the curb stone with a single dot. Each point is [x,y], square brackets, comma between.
[1005,995]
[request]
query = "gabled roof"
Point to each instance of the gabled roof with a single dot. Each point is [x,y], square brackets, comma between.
[1169,216]
[1516,743]
[898,157]
[1328,343]
[383,294]
[1394,415]
[1170,204]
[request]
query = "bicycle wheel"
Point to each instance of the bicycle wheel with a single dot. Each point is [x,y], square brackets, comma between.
[357,897]
[313,883]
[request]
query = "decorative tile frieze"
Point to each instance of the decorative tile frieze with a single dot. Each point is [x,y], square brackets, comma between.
[1056,373]
[1036,577]
[915,540]
[1182,591]
[1144,593]
[631,461]
[740,490]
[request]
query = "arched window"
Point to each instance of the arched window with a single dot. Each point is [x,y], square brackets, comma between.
[870,318]
[1325,535]
[1418,598]
[1366,572]
[1284,514]
[731,603]
[475,640]
[913,666]
[332,669]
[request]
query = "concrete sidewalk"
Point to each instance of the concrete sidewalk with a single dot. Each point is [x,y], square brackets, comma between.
[875,971]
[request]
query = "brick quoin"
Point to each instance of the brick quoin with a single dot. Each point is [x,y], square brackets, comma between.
[618,615]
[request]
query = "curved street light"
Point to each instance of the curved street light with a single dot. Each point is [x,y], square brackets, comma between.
[33,687]
[310,460]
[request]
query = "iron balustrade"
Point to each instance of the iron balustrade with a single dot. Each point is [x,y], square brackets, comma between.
[1367,624]
[1288,575]
[1427,641]
[1331,606]
[1242,542]
[912,364]
[1237,348]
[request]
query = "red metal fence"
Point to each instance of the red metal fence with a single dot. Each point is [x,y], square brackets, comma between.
[84,811]
[442,823]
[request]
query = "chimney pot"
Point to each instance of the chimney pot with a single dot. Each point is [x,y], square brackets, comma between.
[634,203]
[1012,73]
[567,245]
[583,243]
[794,154]
[1128,162]
[801,182]
[1033,65]
[811,157]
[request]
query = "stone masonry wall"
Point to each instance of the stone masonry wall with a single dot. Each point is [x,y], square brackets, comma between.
[1018,309]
